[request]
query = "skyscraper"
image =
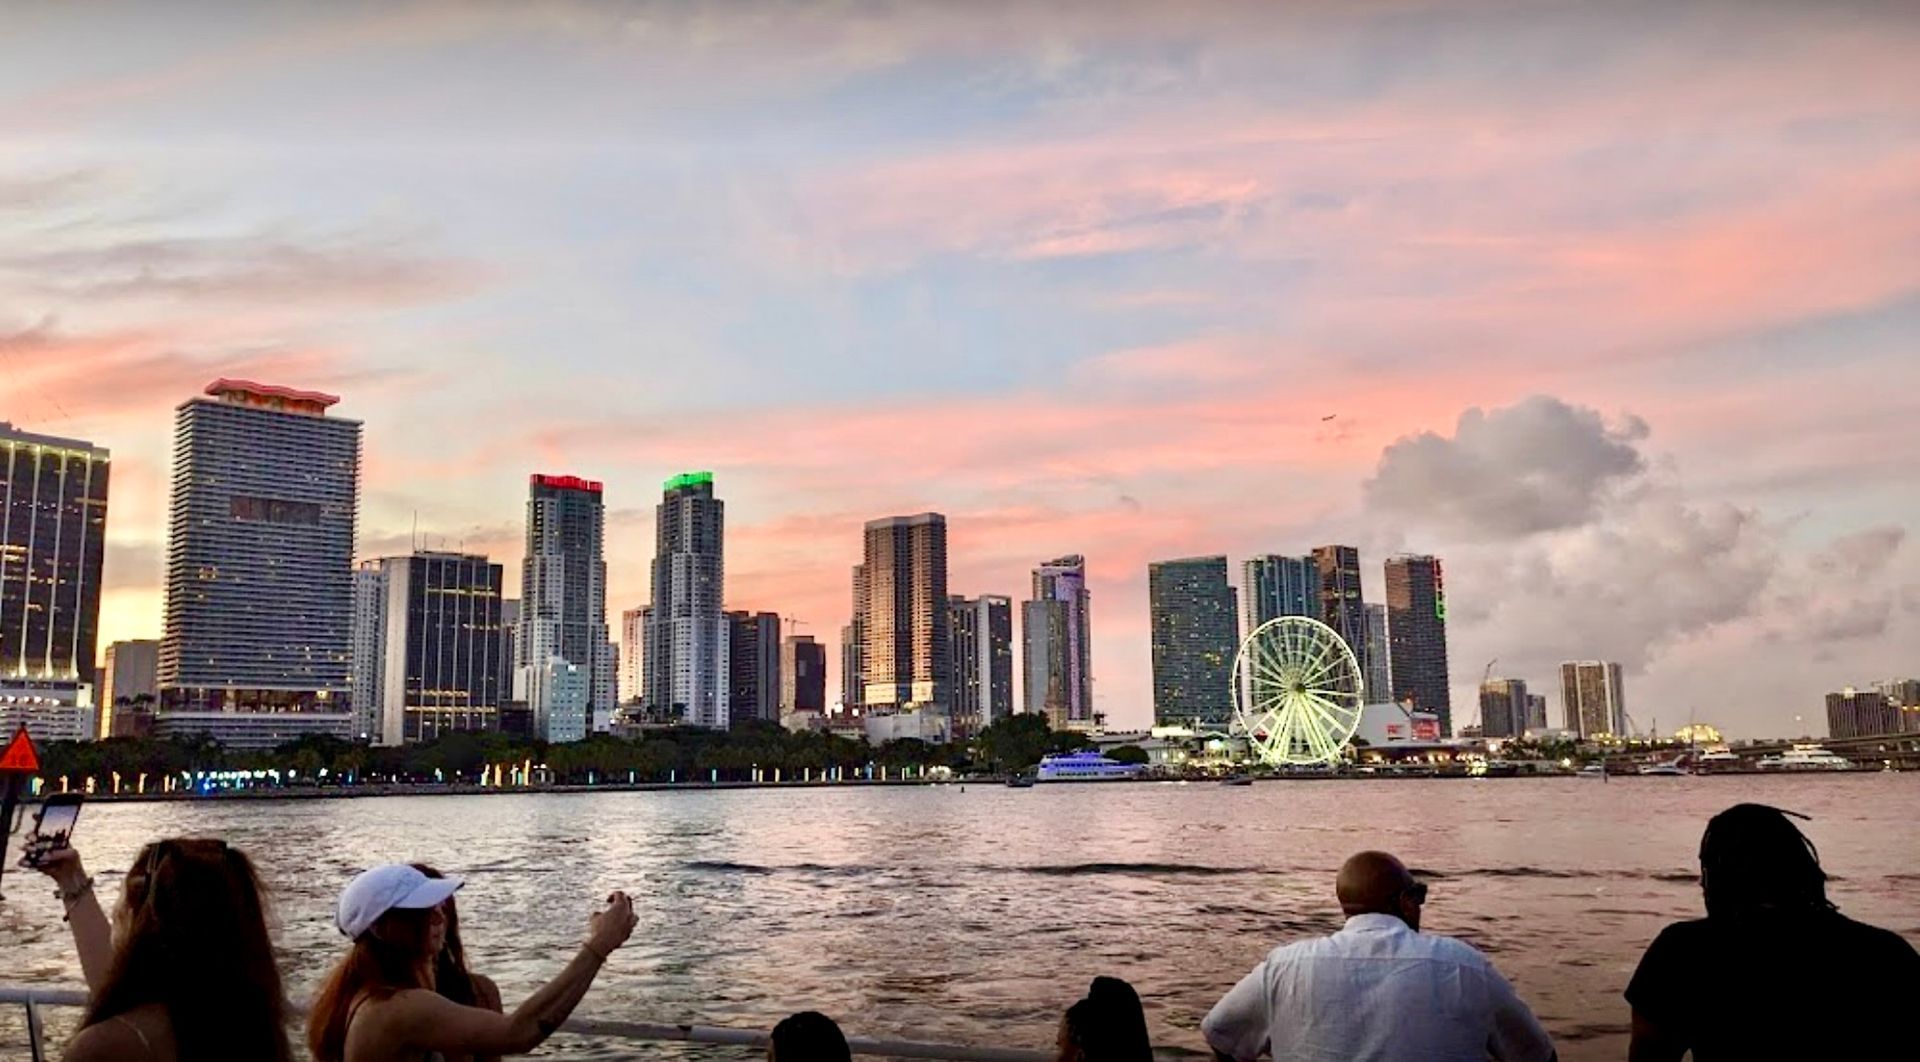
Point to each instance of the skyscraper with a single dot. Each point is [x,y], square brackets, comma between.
[131,671]
[557,699]
[1536,711]
[259,577]
[510,652]
[53,524]
[369,639]
[1417,634]
[633,655]
[1594,698]
[1273,586]
[563,602]
[1855,713]
[908,649]
[803,675]
[853,646]
[982,661]
[1058,647]
[687,646]
[1379,657]
[439,647]
[1195,634]
[1342,606]
[1504,704]
[753,667]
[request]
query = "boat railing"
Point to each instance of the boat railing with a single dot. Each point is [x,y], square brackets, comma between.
[36,999]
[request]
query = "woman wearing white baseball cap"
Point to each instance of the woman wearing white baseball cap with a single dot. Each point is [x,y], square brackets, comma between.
[379,1004]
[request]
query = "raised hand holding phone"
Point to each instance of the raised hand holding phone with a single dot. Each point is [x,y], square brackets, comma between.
[53,827]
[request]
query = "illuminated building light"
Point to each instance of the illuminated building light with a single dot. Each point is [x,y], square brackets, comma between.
[688,479]
[592,486]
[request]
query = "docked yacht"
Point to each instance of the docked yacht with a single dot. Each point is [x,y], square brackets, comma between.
[1085,766]
[1806,758]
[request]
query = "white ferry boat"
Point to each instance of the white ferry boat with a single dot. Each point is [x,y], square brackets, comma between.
[1806,758]
[1085,766]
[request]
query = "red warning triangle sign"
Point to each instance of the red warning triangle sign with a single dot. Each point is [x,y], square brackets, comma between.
[19,754]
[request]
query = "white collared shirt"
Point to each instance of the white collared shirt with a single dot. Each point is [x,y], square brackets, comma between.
[1377,991]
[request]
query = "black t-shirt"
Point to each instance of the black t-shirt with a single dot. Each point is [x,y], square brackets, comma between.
[1814,985]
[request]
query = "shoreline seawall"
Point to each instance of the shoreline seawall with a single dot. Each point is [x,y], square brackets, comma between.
[440,789]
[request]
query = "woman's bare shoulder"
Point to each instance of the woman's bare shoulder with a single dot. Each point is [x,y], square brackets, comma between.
[142,1033]
[486,993]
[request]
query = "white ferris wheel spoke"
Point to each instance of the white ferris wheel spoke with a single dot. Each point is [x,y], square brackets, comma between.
[1331,658]
[1317,738]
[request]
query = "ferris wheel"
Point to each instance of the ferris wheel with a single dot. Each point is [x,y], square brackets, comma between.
[1297,691]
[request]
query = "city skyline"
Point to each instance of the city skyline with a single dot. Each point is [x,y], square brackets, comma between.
[953,263]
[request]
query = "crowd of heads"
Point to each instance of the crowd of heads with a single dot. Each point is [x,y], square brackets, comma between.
[198,904]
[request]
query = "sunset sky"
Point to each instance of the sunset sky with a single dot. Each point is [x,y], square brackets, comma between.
[1615,307]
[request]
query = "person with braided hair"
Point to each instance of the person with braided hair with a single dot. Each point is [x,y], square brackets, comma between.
[1774,970]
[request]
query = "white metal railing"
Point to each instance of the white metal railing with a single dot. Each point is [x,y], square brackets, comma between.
[33,999]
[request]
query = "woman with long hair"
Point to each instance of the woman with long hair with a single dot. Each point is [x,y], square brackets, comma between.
[185,970]
[1109,1025]
[451,977]
[381,1004]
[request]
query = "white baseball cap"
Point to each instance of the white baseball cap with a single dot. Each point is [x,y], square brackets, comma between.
[384,888]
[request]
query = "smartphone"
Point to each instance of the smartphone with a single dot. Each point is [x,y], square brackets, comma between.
[52,826]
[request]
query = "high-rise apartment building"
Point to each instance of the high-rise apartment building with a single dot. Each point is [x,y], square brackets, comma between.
[1594,698]
[633,655]
[1057,657]
[1195,634]
[1536,711]
[558,696]
[259,578]
[1342,605]
[908,647]
[853,646]
[803,675]
[130,673]
[982,634]
[687,645]
[1904,692]
[563,602]
[1379,657]
[510,650]
[53,525]
[1855,713]
[1272,586]
[368,653]
[1417,635]
[439,646]
[1504,704]
[753,667]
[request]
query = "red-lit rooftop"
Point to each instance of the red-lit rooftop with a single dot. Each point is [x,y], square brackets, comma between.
[566,483]
[271,396]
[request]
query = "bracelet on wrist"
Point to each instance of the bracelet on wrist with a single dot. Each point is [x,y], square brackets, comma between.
[69,897]
[595,952]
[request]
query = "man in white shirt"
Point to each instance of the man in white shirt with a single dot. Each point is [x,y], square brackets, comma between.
[1377,990]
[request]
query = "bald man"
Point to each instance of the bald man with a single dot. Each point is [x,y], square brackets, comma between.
[1377,990]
